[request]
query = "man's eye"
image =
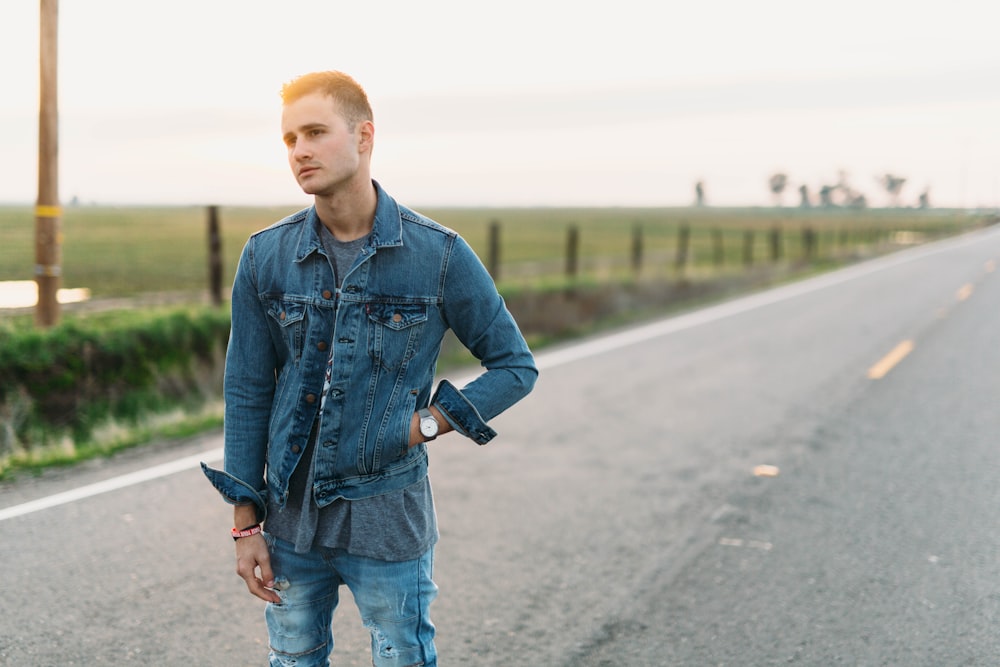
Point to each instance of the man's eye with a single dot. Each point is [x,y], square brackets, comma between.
[315,133]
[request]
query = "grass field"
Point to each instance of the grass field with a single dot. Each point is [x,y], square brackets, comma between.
[125,251]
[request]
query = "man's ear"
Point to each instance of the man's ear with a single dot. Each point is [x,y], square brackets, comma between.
[366,136]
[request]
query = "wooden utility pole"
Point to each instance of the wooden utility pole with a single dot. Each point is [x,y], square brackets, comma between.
[48,214]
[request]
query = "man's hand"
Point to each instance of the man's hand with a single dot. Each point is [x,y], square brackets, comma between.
[251,554]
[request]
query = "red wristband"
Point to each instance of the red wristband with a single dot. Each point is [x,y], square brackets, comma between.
[246,532]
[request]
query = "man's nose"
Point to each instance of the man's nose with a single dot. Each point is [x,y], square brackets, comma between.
[301,151]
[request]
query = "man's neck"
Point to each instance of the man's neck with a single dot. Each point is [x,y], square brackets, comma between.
[350,213]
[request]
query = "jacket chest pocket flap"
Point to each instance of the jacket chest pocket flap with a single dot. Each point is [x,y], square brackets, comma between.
[289,316]
[394,331]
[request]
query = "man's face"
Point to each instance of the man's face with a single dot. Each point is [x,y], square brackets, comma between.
[323,152]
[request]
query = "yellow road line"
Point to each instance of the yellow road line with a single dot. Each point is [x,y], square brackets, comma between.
[964,292]
[889,361]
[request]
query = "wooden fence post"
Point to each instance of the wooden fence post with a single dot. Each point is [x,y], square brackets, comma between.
[683,242]
[718,250]
[808,243]
[775,244]
[572,251]
[636,248]
[494,250]
[214,257]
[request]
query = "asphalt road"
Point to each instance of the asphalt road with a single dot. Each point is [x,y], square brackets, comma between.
[623,516]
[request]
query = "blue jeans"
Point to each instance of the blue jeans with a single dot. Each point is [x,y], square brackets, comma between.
[393,598]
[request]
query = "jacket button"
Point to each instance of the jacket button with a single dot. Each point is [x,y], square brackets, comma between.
[397,318]
[327,294]
[282,316]
[310,398]
[296,449]
[321,346]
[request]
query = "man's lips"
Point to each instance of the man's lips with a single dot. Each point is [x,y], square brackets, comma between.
[305,171]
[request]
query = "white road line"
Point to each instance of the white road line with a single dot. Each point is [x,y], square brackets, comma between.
[112,484]
[559,357]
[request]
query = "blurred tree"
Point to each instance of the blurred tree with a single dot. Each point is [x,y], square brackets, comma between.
[842,193]
[826,195]
[925,198]
[778,182]
[893,185]
[804,200]
[699,193]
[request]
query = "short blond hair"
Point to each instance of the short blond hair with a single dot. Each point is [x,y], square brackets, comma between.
[347,93]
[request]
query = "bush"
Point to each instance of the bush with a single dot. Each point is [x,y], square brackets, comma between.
[120,367]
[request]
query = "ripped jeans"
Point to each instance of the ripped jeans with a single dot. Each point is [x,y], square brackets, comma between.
[393,598]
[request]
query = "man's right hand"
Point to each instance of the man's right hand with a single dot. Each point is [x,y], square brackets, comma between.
[251,554]
[253,560]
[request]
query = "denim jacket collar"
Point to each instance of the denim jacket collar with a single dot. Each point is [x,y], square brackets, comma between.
[387,230]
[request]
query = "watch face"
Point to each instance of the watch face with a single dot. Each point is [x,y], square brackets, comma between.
[428,427]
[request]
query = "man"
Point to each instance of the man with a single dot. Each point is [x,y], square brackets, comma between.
[338,313]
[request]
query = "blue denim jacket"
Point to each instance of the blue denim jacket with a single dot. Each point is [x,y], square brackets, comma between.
[413,280]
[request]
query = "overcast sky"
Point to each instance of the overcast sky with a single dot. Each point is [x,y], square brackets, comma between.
[624,103]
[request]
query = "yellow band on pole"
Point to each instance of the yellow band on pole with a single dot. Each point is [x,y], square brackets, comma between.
[48,211]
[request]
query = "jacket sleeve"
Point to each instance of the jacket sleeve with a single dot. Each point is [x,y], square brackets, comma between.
[478,316]
[249,392]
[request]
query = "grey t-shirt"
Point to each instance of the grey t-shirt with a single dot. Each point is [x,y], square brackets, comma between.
[396,526]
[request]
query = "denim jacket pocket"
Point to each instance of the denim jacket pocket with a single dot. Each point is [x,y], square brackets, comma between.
[394,332]
[289,317]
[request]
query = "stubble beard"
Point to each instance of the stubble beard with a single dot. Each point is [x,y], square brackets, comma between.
[322,183]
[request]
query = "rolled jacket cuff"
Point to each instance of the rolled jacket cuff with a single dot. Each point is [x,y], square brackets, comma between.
[461,413]
[237,492]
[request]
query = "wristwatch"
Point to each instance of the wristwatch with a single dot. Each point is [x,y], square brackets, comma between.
[429,426]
